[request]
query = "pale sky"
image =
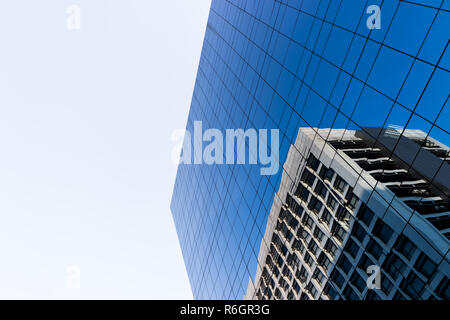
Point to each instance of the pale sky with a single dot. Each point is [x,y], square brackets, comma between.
[86,118]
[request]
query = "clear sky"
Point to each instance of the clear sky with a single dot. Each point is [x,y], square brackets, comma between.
[86,118]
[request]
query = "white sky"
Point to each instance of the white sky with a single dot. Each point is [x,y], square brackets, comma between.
[86,119]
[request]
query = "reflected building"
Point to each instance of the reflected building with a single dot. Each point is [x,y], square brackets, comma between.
[351,206]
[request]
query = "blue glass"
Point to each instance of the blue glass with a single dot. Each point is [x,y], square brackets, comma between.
[291,64]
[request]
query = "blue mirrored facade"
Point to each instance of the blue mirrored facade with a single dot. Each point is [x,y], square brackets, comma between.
[298,64]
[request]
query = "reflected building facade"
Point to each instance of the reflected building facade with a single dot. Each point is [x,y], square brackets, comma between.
[334,227]
[315,64]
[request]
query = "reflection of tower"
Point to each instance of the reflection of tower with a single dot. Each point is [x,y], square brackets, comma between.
[346,203]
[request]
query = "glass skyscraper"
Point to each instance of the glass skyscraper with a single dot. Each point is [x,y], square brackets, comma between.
[348,66]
